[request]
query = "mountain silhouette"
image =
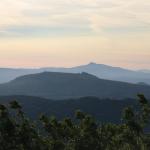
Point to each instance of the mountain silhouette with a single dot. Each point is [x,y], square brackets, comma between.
[104,110]
[55,85]
[100,70]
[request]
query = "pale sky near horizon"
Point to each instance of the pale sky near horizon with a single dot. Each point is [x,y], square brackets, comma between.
[41,33]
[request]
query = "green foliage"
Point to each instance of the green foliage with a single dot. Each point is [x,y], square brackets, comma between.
[19,133]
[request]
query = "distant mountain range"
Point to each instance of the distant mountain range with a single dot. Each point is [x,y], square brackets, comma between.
[145,71]
[53,85]
[104,110]
[99,70]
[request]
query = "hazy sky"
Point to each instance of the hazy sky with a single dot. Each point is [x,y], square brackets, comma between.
[36,33]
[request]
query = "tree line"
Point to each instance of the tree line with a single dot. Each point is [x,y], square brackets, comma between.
[18,132]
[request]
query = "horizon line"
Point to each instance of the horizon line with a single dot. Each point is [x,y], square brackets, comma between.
[73,66]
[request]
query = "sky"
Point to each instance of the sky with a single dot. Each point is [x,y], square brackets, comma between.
[42,33]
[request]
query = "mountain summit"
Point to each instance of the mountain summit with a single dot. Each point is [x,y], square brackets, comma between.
[99,70]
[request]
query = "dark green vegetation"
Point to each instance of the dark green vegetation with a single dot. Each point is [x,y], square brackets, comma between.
[19,133]
[66,85]
[104,110]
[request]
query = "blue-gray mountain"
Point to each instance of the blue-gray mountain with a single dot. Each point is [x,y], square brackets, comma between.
[145,70]
[99,70]
[54,85]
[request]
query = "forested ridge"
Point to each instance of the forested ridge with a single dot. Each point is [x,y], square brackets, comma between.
[57,86]
[17,132]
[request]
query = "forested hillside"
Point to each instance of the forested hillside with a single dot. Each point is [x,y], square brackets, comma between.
[54,85]
[19,133]
[104,110]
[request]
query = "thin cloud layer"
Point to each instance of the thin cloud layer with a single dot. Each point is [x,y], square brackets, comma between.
[44,17]
[73,32]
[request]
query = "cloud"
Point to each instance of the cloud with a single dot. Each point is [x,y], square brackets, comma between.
[97,16]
